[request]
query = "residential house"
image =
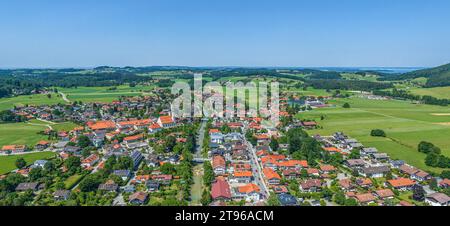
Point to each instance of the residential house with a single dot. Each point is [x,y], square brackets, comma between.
[421,176]
[163,178]
[123,174]
[27,186]
[138,198]
[366,152]
[311,185]
[41,145]
[219,165]
[287,200]
[102,125]
[90,161]
[384,194]
[243,176]
[220,190]
[166,121]
[271,176]
[109,186]
[250,192]
[397,163]
[346,184]
[327,168]
[13,148]
[137,157]
[366,198]
[152,186]
[438,199]
[61,195]
[374,171]
[402,183]
[355,163]
[39,164]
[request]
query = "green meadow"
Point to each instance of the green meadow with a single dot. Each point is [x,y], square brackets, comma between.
[21,133]
[103,94]
[405,124]
[7,163]
[438,92]
[308,92]
[36,99]
[28,133]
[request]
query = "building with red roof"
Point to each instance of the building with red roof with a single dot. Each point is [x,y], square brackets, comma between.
[220,190]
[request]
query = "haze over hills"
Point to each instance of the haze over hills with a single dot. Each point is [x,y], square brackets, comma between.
[437,76]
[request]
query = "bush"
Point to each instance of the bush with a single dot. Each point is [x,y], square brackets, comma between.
[378,133]
[346,105]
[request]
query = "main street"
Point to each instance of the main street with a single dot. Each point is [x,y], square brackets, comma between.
[257,170]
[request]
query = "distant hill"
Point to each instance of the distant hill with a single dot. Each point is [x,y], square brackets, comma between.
[437,76]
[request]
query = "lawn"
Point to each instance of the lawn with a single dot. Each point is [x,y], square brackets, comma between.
[7,163]
[36,99]
[103,94]
[21,133]
[72,181]
[406,125]
[438,92]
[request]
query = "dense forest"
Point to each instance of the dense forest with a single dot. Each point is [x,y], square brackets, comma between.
[438,76]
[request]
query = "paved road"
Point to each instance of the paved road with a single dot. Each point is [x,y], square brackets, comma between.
[257,169]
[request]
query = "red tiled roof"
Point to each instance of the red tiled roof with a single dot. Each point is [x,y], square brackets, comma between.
[249,188]
[220,189]
[385,193]
[12,147]
[271,174]
[327,168]
[401,182]
[367,197]
[167,119]
[102,125]
[218,161]
[243,174]
[136,137]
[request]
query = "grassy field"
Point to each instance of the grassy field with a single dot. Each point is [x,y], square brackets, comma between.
[7,163]
[37,99]
[27,133]
[72,181]
[406,125]
[438,92]
[103,94]
[63,126]
[309,92]
[21,133]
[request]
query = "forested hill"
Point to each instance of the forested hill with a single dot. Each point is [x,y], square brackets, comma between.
[437,76]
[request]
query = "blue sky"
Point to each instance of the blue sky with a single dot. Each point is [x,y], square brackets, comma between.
[84,33]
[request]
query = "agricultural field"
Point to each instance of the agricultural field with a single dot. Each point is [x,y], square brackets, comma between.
[36,99]
[309,92]
[103,94]
[21,133]
[405,124]
[438,92]
[7,163]
[63,126]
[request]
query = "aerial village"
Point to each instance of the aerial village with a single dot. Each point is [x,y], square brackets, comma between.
[134,152]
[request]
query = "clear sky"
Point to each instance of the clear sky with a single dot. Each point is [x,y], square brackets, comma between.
[86,33]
